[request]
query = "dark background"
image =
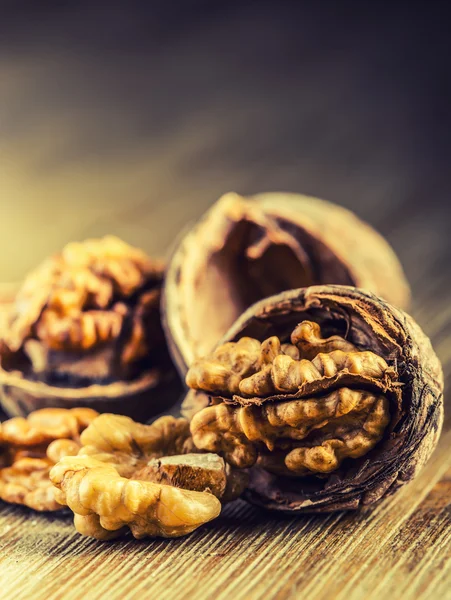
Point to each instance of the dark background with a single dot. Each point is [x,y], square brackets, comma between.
[132,117]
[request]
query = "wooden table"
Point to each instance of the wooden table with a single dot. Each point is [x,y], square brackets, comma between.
[133,123]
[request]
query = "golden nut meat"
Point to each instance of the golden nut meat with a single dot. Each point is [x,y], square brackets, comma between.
[144,478]
[31,447]
[248,248]
[46,425]
[330,396]
[252,373]
[345,423]
[84,329]
[105,503]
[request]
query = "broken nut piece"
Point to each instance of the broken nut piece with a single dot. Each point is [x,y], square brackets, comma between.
[144,477]
[197,472]
[105,503]
[45,425]
[31,447]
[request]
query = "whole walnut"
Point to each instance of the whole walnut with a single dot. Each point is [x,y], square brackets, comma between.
[84,329]
[331,397]
[246,249]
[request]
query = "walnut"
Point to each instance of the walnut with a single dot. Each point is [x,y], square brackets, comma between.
[143,477]
[105,503]
[250,369]
[246,249]
[88,316]
[44,426]
[351,421]
[345,420]
[66,300]
[345,423]
[129,446]
[31,447]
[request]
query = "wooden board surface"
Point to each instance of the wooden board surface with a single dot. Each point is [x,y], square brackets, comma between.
[134,127]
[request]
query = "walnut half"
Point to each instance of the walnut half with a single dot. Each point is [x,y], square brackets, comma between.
[84,330]
[105,503]
[244,249]
[142,477]
[330,396]
[31,447]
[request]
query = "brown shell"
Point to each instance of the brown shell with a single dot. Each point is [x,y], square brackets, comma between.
[150,394]
[371,324]
[245,249]
[140,399]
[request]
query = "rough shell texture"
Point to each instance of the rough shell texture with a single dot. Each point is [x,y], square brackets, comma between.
[245,249]
[30,447]
[84,329]
[370,324]
[119,477]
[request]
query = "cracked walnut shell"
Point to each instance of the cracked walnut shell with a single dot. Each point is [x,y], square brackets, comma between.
[84,329]
[246,249]
[332,397]
[143,477]
[30,447]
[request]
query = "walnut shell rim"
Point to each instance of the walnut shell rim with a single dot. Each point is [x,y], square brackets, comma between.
[413,434]
[322,243]
[139,398]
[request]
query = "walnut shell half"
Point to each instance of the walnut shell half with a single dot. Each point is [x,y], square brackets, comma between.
[332,397]
[246,249]
[84,329]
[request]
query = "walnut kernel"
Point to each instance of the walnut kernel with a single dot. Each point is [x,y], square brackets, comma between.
[143,477]
[280,412]
[31,447]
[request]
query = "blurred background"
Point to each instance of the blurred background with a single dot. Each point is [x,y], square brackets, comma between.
[133,117]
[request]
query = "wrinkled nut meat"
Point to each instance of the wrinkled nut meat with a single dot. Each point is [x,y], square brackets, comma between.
[331,395]
[246,249]
[45,426]
[252,374]
[143,477]
[85,329]
[31,447]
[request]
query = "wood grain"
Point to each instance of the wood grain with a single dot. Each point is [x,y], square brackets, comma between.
[134,128]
